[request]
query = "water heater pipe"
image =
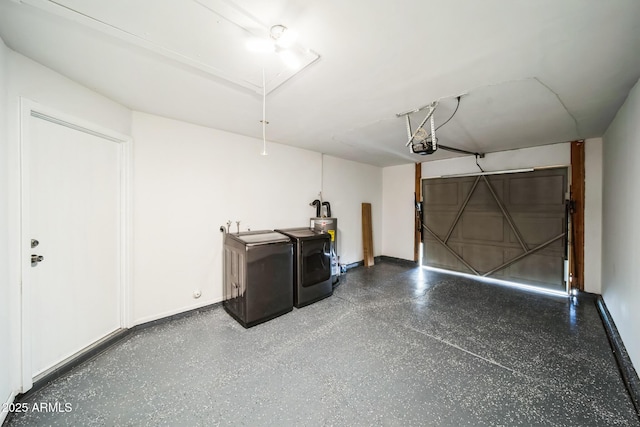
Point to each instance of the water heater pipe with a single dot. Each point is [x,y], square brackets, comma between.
[316,203]
[328,208]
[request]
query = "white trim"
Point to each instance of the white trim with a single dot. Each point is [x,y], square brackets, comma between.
[460,175]
[77,354]
[126,234]
[500,172]
[7,403]
[26,373]
[177,311]
[74,126]
[28,109]
[59,117]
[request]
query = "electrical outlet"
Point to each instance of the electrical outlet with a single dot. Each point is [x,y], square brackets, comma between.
[197,294]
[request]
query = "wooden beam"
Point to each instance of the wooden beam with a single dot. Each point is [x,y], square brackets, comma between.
[367,235]
[417,232]
[577,215]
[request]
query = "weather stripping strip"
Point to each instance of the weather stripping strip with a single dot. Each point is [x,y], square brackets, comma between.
[506,283]
[462,175]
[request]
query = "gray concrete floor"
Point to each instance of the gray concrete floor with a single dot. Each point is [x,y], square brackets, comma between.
[394,346]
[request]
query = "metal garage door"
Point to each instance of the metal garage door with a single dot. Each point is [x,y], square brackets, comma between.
[508,226]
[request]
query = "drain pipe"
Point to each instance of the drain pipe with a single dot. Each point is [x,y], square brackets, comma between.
[224,230]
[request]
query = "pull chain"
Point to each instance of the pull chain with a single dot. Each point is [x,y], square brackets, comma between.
[264,114]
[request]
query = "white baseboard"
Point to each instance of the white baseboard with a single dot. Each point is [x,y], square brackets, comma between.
[176,311]
[9,401]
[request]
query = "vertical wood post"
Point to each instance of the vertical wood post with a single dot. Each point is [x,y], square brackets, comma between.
[577,215]
[367,235]
[417,232]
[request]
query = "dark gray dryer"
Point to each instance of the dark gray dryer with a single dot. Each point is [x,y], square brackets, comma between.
[311,266]
[258,276]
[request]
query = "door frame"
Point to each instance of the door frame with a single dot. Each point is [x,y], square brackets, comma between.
[28,109]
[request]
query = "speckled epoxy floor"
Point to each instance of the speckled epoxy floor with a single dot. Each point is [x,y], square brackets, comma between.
[394,346]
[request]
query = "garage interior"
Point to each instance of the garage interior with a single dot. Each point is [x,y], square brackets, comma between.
[495,143]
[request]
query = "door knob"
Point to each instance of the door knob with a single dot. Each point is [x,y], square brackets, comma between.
[35,259]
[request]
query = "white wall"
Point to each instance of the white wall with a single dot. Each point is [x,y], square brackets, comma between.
[6,387]
[189,180]
[593,216]
[346,185]
[398,213]
[26,78]
[620,226]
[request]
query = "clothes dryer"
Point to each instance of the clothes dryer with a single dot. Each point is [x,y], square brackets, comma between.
[311,265]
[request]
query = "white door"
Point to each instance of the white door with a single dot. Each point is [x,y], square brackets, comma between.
[74,214]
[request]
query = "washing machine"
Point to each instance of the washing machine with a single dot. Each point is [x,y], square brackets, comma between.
[258,276]
[311,265]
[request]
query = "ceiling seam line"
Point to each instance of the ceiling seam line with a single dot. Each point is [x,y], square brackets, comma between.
[575,121]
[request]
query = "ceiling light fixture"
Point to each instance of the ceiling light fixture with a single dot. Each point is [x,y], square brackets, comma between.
[282,41]
[282,36]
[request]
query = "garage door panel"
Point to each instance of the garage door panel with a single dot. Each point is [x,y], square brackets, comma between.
[536,230]
[438,256]
[544,190]
[440,222]
[483,257]
[484,239]
[478,226]
[441,193]
[482,199]
[539,269]
[556,247]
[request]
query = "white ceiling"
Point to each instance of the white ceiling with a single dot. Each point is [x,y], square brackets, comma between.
[530,72]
